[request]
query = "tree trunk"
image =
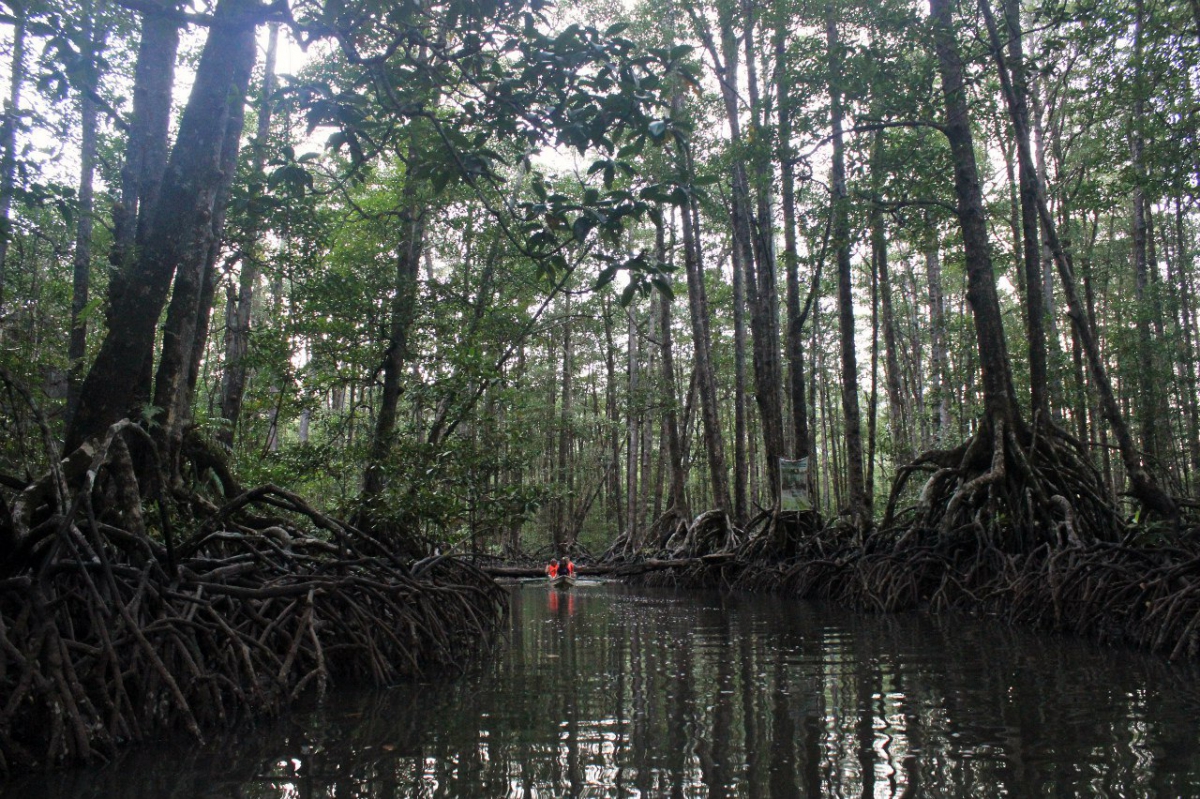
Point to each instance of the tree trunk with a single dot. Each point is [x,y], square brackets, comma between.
[1050,312]
[411,235]
[702,346]
[764,294]
[1147,375]
[647,483]
[613,417]
[82,259]
[565,473]
[146,153]
[1145,488]
[898,412]
[742,256]
[741,464]
[633,438]
[940,408]
[8,140]
[238,308]
[873,397]
[678,500]
[817,422]
[185,332]
[752,245]
[999,396]
[1035,327]
[852,431]
[1178,394]
[182,217]
[791,258]
[1188,323]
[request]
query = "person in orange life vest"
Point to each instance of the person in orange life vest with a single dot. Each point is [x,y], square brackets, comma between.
[552,568]
[570,568]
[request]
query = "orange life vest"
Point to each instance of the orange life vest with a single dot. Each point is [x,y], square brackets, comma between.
[552,570]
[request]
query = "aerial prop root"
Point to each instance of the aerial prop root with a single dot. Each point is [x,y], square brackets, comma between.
[1010,487]
[107,638]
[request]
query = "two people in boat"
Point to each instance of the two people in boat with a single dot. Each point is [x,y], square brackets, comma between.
[554,568]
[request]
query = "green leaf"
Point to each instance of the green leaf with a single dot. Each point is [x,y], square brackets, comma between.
[633,148]
[663,285]
[336,140]
[581,227]
[607,276]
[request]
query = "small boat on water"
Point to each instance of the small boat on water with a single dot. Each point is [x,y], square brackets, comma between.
[562,582]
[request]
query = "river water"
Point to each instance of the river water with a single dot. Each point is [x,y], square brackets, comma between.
[609,691]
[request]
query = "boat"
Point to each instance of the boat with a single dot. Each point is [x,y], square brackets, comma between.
[562,582]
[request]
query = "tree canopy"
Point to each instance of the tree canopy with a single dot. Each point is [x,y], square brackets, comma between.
[496,274]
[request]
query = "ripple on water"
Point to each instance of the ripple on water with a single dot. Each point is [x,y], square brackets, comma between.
[618,692]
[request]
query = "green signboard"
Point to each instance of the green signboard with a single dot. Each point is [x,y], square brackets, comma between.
[793,489]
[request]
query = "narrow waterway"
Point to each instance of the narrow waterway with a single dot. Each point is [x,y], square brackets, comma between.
[609,691]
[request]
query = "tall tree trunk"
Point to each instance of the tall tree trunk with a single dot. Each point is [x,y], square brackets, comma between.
[1188,323]
[239,306]
[565,472]
[743,266]
[856,490]
[818,402]
[82,260]
[644,519]
[873,399]
[1178,395]
[1147,375]
[898,412]
[1035,327]
[791,258]
[1084,411]
[678,500]
[403,312]
[741,463]
[613,417]
[517,473]
[182,217]
[633,436]
[999,396]
[8,139]
[752,243]
[185,332]
[764,294]
[1144,486]
[1050,312]
[702,346]
[146,153]
[940,408]
[698,303]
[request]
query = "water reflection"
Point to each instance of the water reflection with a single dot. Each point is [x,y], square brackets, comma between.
[613,692]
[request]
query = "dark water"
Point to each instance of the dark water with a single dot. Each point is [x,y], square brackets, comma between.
[616,692]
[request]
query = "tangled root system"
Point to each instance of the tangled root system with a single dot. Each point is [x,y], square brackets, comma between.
[1010,488]
[111,634]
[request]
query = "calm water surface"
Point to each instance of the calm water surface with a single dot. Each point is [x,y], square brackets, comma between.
[616,692]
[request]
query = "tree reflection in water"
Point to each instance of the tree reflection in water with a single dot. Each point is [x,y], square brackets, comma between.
[613,692]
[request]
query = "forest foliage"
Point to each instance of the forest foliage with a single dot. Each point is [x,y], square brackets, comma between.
[501,275]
